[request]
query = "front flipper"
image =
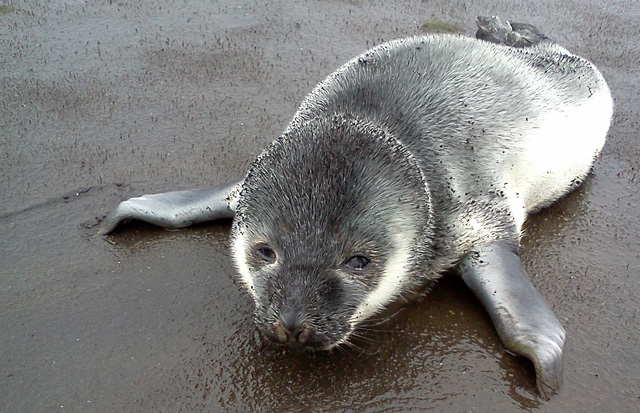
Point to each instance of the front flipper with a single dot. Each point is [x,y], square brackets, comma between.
[177,209]
[524,321]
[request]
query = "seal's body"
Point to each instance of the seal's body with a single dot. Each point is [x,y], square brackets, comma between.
[495,132]
[421,155]
[533,118]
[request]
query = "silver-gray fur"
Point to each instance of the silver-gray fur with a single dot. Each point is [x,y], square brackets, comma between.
[421,155]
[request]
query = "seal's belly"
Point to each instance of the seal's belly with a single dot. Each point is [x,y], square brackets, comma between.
[559,151]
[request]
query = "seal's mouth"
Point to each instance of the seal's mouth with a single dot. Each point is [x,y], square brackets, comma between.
[300,348]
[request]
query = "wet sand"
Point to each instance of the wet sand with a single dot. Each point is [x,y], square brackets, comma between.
[100,102]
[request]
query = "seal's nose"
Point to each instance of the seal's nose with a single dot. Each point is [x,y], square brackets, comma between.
[291,331]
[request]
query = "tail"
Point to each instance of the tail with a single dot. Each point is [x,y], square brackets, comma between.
[494,29]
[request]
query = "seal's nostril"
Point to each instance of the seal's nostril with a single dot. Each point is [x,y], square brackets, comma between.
[280,333]
[292,332]
[304,334]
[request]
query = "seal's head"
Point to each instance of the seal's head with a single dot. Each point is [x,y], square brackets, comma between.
[333,223]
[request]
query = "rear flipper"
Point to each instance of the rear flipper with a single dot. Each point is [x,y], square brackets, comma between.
[524,321]
[177,209]
[494,29]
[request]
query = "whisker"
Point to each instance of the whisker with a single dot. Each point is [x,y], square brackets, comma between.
[363,337]
[350,345]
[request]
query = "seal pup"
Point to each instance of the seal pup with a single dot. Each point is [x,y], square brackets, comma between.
[421,155]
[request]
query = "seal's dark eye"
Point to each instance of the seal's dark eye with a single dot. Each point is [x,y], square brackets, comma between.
[357,262]
[266,254]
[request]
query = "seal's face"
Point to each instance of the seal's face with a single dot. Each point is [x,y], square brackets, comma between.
[330,224]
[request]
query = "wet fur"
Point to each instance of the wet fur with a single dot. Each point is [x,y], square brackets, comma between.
[435,145]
